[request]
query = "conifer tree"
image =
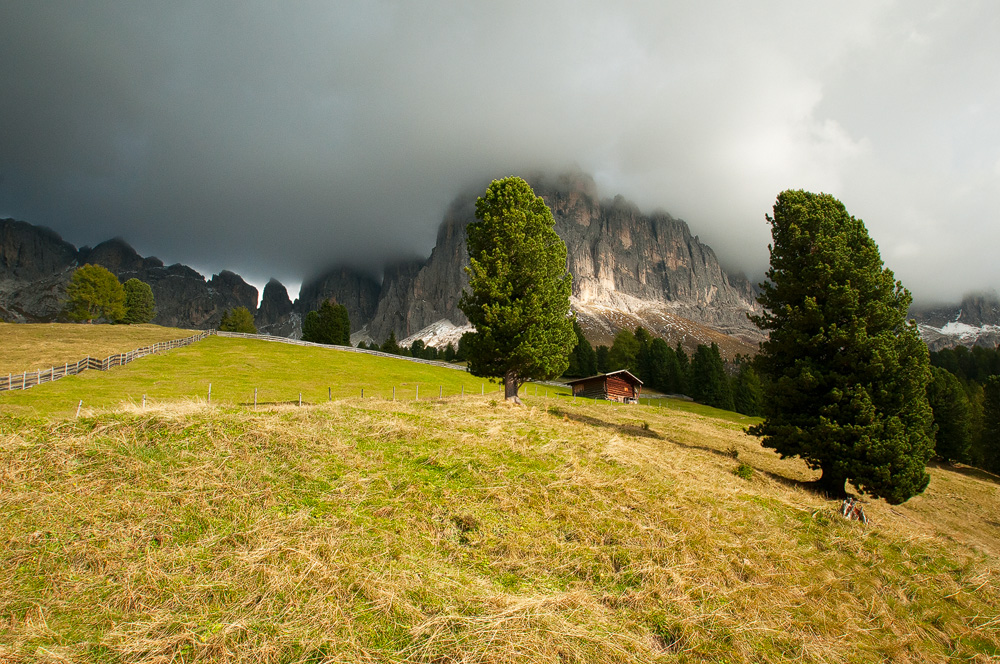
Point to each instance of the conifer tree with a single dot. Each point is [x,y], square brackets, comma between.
[237,320]
[952,416]
[140,305]
[709,382]
[845,373]
[519,287]
[582,359]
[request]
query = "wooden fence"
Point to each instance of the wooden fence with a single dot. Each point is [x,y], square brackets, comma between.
[26,379]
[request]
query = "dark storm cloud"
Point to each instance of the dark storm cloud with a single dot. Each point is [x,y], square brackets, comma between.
[278,138]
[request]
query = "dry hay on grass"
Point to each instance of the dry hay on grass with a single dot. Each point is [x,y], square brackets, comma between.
[31,346]
[459,531]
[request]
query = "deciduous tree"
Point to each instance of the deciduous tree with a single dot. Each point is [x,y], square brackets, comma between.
[93,293]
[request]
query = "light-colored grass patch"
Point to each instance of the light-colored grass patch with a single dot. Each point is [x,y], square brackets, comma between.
[28,347]
[462,531]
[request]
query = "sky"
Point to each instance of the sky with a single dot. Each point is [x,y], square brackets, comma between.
[278,139]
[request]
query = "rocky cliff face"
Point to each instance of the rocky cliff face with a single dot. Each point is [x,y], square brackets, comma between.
[356,291]
[275,315]
[36,264]
[625,265]
[629,269]
[975,321]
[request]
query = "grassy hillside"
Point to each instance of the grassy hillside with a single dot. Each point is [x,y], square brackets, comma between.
[236,367]
[459,530]
[27,347]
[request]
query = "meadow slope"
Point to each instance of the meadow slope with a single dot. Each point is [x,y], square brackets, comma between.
[459,530]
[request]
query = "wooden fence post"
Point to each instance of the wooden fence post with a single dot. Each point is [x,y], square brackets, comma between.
[78,407]
[393,392]
[417,397]
[209,393]
[300,400]
[255,398]
[329,394]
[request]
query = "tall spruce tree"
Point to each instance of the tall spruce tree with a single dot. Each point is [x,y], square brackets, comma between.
[519,288]
[709,382]
[330,324]
[845,372]
[952,416]
[140,305]
[582,359]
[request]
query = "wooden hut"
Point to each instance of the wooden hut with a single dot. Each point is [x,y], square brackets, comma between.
[619,386]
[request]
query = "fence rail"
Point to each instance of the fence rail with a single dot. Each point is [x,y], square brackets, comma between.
[26,379]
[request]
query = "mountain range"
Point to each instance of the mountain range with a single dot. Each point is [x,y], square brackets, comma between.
[629,268]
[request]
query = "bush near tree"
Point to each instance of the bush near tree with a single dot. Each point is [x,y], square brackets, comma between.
[845,373]
[94,293]
[519,288]
[140,305]
[238,320]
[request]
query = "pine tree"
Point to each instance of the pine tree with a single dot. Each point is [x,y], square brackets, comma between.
[989,443]
[330,324]
[624,353]
[748,393]
[709,382]
[237,320]
[140,305]
[845,374]
[582,359]
[390,345]
[952,416]
[518,297]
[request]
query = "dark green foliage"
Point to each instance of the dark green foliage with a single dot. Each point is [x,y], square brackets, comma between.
[449,352]
[975,365]
[748,393]
[140,305]
[390,345]
[94,293]
[989,442]
[582,359]
[952,416]
[624,353]
[331,324]
[462,352]
[685,366]
[709,382]
[238,320]
[845,374]
[518,297]
[601,354]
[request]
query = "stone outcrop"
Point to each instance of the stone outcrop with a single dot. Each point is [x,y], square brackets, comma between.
[36,265]
[275,314]
[629,268]
[356,291]
[622,261]
[975,321]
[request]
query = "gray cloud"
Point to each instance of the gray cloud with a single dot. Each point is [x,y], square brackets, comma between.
[276,139]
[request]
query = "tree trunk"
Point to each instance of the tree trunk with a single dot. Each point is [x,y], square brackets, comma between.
[511,386]
[832,483]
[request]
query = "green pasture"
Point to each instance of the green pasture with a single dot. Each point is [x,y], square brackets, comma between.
[236,367]
[279,373]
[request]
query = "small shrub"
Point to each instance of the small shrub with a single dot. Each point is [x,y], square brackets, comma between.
[743,470]
[733,452]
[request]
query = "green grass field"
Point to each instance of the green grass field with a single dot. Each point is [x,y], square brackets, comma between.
[452,530]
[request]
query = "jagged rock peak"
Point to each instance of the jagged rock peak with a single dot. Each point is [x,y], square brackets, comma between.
[357,291]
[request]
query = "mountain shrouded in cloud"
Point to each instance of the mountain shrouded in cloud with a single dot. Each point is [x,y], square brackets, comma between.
[278,140]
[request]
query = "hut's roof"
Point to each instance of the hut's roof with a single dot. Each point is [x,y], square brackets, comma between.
[623,373]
